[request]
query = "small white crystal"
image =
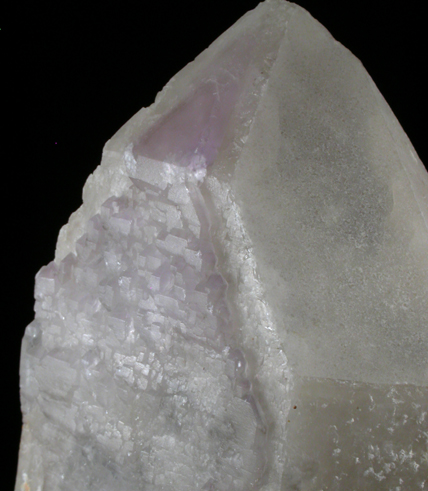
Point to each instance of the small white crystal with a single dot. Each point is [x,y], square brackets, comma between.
[241,302]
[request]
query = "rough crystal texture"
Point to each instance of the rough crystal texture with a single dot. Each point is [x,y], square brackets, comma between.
[363,436]
[241,302]
[143,307]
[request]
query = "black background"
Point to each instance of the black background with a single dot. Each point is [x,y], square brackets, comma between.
[75,74]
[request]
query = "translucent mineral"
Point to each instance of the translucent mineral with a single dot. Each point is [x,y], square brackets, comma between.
[241,302]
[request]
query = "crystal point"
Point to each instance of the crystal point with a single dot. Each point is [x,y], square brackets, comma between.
[241,302]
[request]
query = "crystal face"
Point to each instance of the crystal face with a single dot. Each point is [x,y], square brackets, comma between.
[241,301]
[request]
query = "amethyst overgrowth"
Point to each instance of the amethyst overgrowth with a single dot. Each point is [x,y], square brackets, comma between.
[241,302]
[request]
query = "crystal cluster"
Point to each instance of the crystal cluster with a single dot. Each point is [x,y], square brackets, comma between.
[241,302]
[143,306]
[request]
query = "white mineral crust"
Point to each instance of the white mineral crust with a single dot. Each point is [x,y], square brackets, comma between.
[241,302]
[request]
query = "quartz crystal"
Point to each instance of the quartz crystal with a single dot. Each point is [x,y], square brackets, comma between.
[241,302]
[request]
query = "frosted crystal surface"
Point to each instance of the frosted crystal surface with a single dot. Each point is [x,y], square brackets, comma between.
[241,302]
[364,436]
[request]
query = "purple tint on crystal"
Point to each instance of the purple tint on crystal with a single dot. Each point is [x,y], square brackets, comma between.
[191,134]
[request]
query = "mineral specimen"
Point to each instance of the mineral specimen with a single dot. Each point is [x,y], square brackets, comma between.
[241,302]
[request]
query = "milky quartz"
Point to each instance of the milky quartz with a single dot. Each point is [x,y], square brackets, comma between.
[241,302]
